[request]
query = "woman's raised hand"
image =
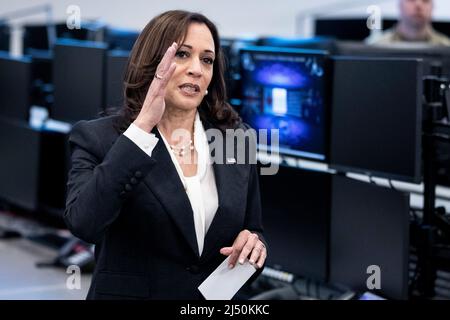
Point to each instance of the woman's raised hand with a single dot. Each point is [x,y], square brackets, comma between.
[153,108]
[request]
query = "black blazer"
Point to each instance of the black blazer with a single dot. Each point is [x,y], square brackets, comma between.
[134,208]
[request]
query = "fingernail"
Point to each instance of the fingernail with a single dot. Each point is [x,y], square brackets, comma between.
[252,261]
[241,261]
[230,266]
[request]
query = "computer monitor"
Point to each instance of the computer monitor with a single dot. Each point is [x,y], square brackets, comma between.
[376,118]
[38,37]
[88,31]
[116,62]
[19,164]
[5,34]
[369,236]
[230,49]
[342,28]
[15,86]
[351,28]
[78,75]
[229,72]
[414,50]
[296,212]
[42,80]
[442,26]
[436,58]
[120,39]
[286,89]
[33,166]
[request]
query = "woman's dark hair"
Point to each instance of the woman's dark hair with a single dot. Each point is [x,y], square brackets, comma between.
[147,52]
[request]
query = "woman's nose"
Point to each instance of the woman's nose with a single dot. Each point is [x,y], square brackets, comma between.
[195,68]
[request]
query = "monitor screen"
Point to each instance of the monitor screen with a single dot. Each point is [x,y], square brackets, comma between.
[376,118]
[78,80]
[5,35]
[296,212]
[285,89]
[15,86]
[369,233]
[120,39]
[342,28]
[40,36]
[36,37]
[19,163]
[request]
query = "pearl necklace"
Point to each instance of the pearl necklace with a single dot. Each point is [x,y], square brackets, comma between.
[181,151]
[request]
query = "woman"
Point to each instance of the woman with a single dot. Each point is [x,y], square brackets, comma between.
[162,216]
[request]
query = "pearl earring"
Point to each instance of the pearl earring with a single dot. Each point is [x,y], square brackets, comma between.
[206,92]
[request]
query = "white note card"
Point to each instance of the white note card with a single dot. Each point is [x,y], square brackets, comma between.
[223,283]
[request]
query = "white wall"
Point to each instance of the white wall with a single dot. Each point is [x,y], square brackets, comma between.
[233,17]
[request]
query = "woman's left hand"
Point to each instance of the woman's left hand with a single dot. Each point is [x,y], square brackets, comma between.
[246,245]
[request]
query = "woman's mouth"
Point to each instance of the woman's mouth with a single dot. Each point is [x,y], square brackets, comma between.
[189,89]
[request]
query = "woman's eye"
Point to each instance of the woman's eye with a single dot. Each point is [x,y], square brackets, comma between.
[208,60]
[182,54]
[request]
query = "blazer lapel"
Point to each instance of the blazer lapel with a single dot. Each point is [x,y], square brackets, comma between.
[166,185]
[164,182]
[229,182]
[219,224]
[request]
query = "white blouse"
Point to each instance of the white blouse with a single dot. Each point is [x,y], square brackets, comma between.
[201,188]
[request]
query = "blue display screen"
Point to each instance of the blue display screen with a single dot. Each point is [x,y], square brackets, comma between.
[284,89]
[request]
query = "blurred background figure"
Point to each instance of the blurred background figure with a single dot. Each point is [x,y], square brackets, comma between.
[414,25]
